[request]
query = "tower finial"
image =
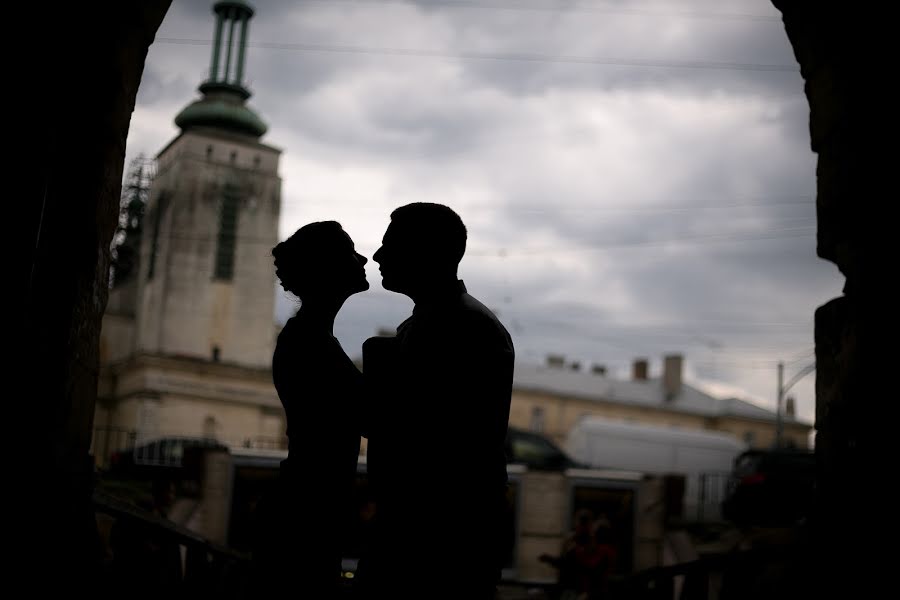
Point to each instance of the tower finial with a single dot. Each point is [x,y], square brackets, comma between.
[224,94]
[230,15]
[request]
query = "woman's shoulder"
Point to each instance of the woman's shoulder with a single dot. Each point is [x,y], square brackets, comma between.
[297,337]
[297,328]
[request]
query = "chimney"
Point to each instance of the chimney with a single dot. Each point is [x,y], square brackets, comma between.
[556,361]
[598,370]
[672,375]
[790,408]
[639,369]
[386,332]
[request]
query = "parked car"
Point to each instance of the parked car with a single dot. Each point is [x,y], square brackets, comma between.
[771,487]
[168,454]
[536,452]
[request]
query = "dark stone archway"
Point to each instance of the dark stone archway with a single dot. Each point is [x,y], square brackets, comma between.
[83,91]
[80,92]
[835,44]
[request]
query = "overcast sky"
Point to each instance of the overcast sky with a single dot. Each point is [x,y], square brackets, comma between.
[636,176]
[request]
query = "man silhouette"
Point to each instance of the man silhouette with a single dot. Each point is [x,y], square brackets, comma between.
[439,411]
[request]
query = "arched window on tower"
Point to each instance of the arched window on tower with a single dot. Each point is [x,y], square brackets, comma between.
[227,239]
[159,209]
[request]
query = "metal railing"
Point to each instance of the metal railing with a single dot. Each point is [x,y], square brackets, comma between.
[207,569]
[108,440]
[204,567]
[266,442]
[165,450]
[715,577]
[711,491]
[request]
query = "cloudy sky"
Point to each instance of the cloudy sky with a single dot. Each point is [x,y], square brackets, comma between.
[636,176]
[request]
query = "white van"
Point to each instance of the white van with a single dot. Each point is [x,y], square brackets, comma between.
[704,458]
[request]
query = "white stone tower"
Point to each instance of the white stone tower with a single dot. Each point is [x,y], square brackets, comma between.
[206,280]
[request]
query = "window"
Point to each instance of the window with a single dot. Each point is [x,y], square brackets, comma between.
[256,161]
[227,238]
[537,419]
[749,437]
[216,353]
[233,157]
[209,151]
[161,203]
[210,427]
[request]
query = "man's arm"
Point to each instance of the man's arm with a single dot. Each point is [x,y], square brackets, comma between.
[469,383]
[379,356]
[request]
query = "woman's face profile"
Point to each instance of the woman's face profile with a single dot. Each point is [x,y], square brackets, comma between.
[349,266]
[326,263]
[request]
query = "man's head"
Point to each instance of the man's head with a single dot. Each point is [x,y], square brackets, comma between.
[421,248]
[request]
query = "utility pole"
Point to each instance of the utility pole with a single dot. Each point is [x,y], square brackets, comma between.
[782,390]
[779,411]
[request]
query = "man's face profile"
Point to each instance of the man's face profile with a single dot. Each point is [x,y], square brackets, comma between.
[398,259]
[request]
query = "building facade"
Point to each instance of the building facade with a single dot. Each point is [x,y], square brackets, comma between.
[188,335]
[550,399]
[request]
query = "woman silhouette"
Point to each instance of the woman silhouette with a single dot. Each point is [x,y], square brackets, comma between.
[302,520]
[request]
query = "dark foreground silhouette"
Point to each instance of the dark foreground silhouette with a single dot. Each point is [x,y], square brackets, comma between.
[437,412]
[302,521]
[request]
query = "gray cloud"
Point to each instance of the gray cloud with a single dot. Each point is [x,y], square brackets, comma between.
[614,210]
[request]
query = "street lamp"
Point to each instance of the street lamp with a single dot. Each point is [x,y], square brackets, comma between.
[782,389]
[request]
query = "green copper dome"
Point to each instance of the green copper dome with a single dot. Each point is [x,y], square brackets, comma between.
[221,113]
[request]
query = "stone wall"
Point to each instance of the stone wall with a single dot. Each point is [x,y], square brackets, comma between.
[835,44]
[78,91]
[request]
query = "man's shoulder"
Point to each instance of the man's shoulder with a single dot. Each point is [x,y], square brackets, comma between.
[478,318]
[472,309]
[378,343]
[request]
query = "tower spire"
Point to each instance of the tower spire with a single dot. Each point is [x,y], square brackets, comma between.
[223,105]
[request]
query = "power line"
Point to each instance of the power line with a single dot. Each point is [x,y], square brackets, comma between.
[732,203]
[792,232]
[584,8]
[572,323]
[806,355]
[735,364]
[633,341]
[802,200]
[698,331]
[536,209]
[517,57]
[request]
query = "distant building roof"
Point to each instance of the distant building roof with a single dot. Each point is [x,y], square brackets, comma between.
[647,393]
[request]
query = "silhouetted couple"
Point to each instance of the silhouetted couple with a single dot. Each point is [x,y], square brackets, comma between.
[433,403]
